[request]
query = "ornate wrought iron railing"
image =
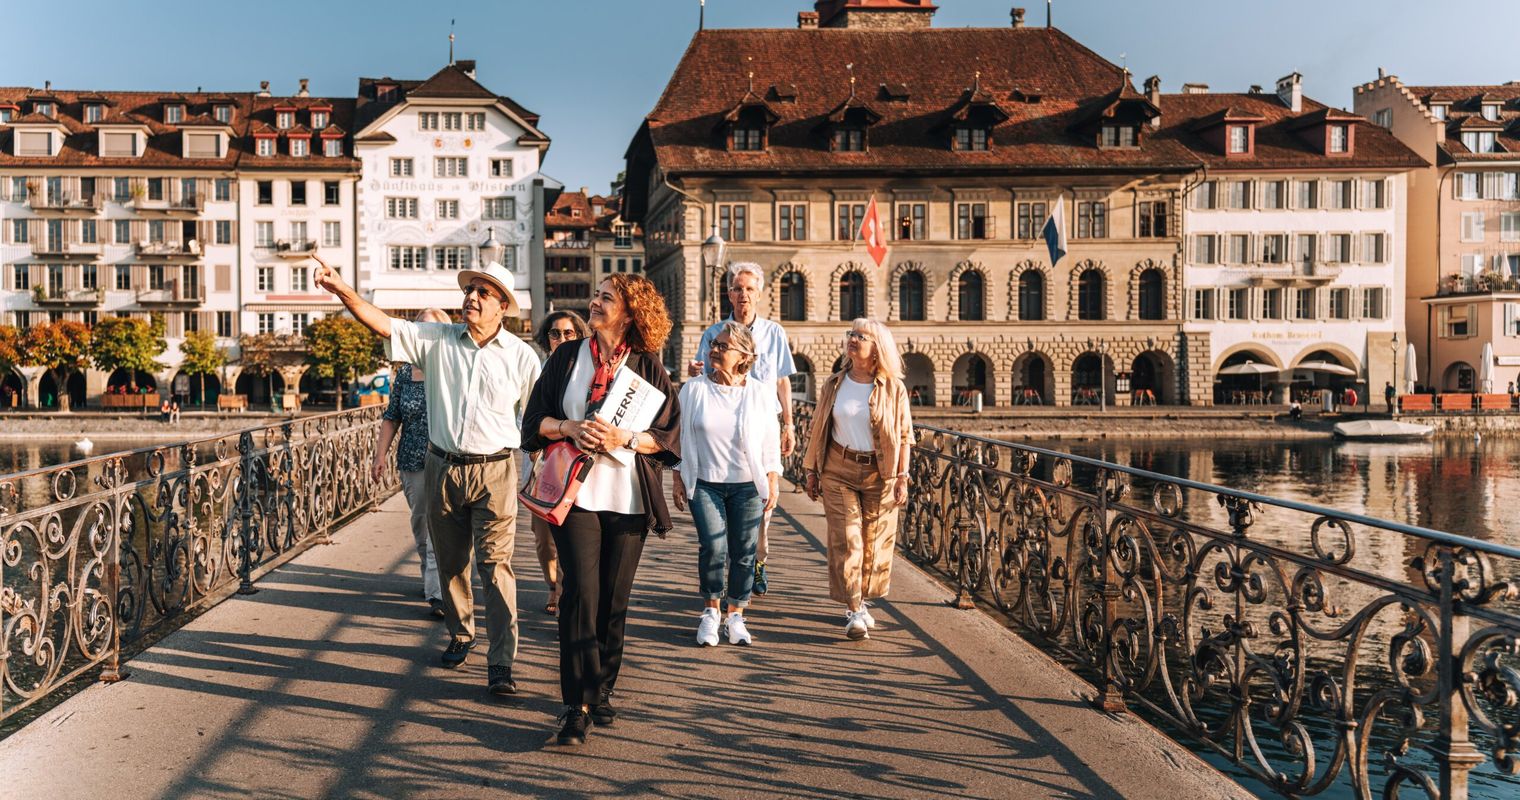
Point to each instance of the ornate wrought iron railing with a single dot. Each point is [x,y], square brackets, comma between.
[1319,651]
[97,554]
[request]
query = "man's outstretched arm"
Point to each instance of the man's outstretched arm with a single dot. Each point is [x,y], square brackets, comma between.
[373,318]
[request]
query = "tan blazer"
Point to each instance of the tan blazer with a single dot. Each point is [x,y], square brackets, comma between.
[891,425]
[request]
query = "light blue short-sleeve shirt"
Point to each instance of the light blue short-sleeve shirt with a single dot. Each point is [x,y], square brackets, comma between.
[773,353]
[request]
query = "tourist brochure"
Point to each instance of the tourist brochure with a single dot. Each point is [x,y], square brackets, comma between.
[632,404]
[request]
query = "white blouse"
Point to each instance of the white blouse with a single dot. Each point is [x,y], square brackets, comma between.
[611,485]
[852,415]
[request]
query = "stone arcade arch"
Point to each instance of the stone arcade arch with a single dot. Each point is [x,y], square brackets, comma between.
[972,372]
[1034,379]
[1155,372]
[918,376]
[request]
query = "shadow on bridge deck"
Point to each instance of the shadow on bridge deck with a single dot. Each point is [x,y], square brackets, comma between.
[325,684]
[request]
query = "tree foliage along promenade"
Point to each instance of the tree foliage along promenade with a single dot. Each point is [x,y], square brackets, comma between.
[62,347]
[130,344]
[342,348]
[201,357]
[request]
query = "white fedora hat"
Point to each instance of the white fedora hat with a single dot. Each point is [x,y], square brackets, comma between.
[497,276]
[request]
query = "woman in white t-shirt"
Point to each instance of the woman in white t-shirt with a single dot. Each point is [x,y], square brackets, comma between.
[730,472]
[857,462]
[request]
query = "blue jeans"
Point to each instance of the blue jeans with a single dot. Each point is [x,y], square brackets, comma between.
[728,529]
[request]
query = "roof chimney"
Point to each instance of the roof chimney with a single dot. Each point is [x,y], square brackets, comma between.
[1290,90]
[1195,88]
[1255,89]
[263,88]
[47,86]
[1018,18]
[467,66]
[304,92]
[1381,73]
[807,19]
[875,14]
[1153,95]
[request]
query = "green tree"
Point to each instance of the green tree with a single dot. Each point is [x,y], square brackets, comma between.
[257,355]
[10,352]
[129,344]
[342,347]
[62,347]
[201,357]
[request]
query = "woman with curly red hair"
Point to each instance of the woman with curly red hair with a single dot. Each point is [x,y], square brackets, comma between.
[602,539]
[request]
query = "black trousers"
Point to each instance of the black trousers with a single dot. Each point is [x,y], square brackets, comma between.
[598,555]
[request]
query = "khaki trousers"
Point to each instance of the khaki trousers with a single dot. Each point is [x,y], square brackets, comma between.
[474,511]
[862,530]
[414,486]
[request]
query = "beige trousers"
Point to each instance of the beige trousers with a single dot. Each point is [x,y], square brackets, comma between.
[862,530]
[474,512]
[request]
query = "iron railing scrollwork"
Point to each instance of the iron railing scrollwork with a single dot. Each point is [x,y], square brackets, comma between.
[99,553]
[1317,650]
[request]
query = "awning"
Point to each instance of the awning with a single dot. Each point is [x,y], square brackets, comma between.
[417,299]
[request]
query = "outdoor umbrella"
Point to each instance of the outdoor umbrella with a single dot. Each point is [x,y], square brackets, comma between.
[1250,368]
[1410,364]
[1326,366]
[1486,369]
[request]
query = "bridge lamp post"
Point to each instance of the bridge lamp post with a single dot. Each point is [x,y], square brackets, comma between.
[1394,346]
[714,259]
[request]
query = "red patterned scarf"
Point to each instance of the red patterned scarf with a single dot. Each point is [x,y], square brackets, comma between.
[601,383]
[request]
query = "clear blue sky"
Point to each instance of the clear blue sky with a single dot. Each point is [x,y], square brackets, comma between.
[593,68]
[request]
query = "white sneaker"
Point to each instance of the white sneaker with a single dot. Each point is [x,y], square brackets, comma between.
[870,620]
[707,628]
[855,625]
[738,633]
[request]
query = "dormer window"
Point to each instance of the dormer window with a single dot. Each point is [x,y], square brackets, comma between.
[174,114]
[222,114]
[332,148]
[971,137]
[1240,139]
[747,126]
[1491,111]
[849,140]
[7,113]
[43,107]
[94,112]
[264,145]
[319,119]
[300,147]
[284,119]
[1438,110]
[385,92]
[749,139]
[1116,136]
[1481,141]
[1340,139]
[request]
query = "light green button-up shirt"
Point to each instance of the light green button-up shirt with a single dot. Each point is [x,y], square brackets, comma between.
[475,395]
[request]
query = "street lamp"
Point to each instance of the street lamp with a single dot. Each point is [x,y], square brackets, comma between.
[491,251]
[714,255]
[1101,348]
[1394,346]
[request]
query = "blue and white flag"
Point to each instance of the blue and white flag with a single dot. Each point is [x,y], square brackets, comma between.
[1055,233]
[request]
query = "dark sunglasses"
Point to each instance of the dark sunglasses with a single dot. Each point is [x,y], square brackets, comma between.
[480,289]
[556,335]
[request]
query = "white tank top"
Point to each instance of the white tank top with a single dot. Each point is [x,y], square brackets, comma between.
[852,415]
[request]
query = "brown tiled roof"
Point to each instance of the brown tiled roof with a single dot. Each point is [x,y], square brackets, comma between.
[1278,143]
[163,147]
[1465,113]
[451,82]
[562,216]
[35,118]
[447,82]
[939,66]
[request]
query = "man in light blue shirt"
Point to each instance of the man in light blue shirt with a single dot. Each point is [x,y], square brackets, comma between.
[773,365]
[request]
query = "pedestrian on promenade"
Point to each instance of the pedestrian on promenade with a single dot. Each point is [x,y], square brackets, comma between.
[601,540]
[731,472]
[478,377]
[773,366]
[406,412]
[1388,395]
[857,460]
[558,328]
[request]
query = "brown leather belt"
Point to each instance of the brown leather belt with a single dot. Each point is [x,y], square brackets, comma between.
[461,458]
[857,456]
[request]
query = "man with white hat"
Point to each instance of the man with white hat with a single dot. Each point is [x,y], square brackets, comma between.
[479,379]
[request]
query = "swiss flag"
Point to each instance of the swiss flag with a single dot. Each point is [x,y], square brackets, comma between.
[870,233]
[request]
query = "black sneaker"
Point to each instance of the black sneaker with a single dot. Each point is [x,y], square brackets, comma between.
[602,712]
[576,724]
[456,653]
[761,584]
[436,608]
[499,680]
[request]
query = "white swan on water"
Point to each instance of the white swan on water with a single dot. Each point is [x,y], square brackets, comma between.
[85,445]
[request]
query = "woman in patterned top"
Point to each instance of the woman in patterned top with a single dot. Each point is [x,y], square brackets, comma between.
[407,412]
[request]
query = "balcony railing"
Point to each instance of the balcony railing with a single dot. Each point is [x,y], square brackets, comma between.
[568,244]
[1482,283]
[1324,652]
[1303,272]
[78,298]
[192,204]
[63,201]
[57,248]
[169,250]
[172,292]
[97,555]
[297,248]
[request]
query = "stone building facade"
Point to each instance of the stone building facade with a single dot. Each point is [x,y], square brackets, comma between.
[966,139]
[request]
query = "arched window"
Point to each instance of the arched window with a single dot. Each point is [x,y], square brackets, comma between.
[852,295]
[1152,294]
[910,296]
[794,297]
[970,289]
[1031,295]
[1090,292]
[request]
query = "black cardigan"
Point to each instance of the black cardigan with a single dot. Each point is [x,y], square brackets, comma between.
[547,400]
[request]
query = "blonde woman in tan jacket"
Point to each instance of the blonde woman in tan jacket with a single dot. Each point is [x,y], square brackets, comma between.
[857,462]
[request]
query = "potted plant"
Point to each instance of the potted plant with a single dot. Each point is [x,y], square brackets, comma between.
[39,293]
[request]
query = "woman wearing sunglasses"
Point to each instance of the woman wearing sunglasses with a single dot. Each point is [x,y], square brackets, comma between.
[561,327]
[857,461]
[731,473]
